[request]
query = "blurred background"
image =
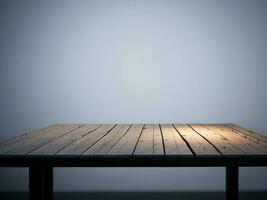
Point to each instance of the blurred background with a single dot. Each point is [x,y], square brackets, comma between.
[134,61]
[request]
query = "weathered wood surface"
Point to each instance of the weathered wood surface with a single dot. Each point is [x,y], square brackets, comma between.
[199,144]
[150,142]
[29,142]
[135,140]
[173,142]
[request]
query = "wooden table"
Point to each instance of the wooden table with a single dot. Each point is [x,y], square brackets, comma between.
[133,145]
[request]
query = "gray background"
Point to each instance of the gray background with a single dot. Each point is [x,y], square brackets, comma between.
[132,62]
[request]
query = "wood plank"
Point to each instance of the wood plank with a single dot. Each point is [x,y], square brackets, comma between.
[199,145]
[125,146]
[27,145]
[236,141]
[145,143]
[8,144]
[247,138]
[150,141]
[137,140]
[157,141]
[106,143]
[249,132]
[240,142]
[84,143]
[173,142]
[220,142]
[259,144]
[56,145]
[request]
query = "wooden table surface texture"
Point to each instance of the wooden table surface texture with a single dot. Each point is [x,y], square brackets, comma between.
[133,140]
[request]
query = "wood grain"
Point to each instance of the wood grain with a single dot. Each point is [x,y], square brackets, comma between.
[137,141]
[220,142]
[248,132]
[126,145]
[173,142]
[56,145]
[242,143]
[107,142]
[199,144]
[28,144]
[85,142]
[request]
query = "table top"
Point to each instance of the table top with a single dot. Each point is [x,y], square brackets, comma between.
[151,144]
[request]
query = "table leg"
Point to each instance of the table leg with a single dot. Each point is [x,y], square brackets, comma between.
[232,183]
[41,183]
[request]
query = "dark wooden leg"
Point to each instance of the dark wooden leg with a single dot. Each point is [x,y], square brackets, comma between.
[41,183]
[232,183]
